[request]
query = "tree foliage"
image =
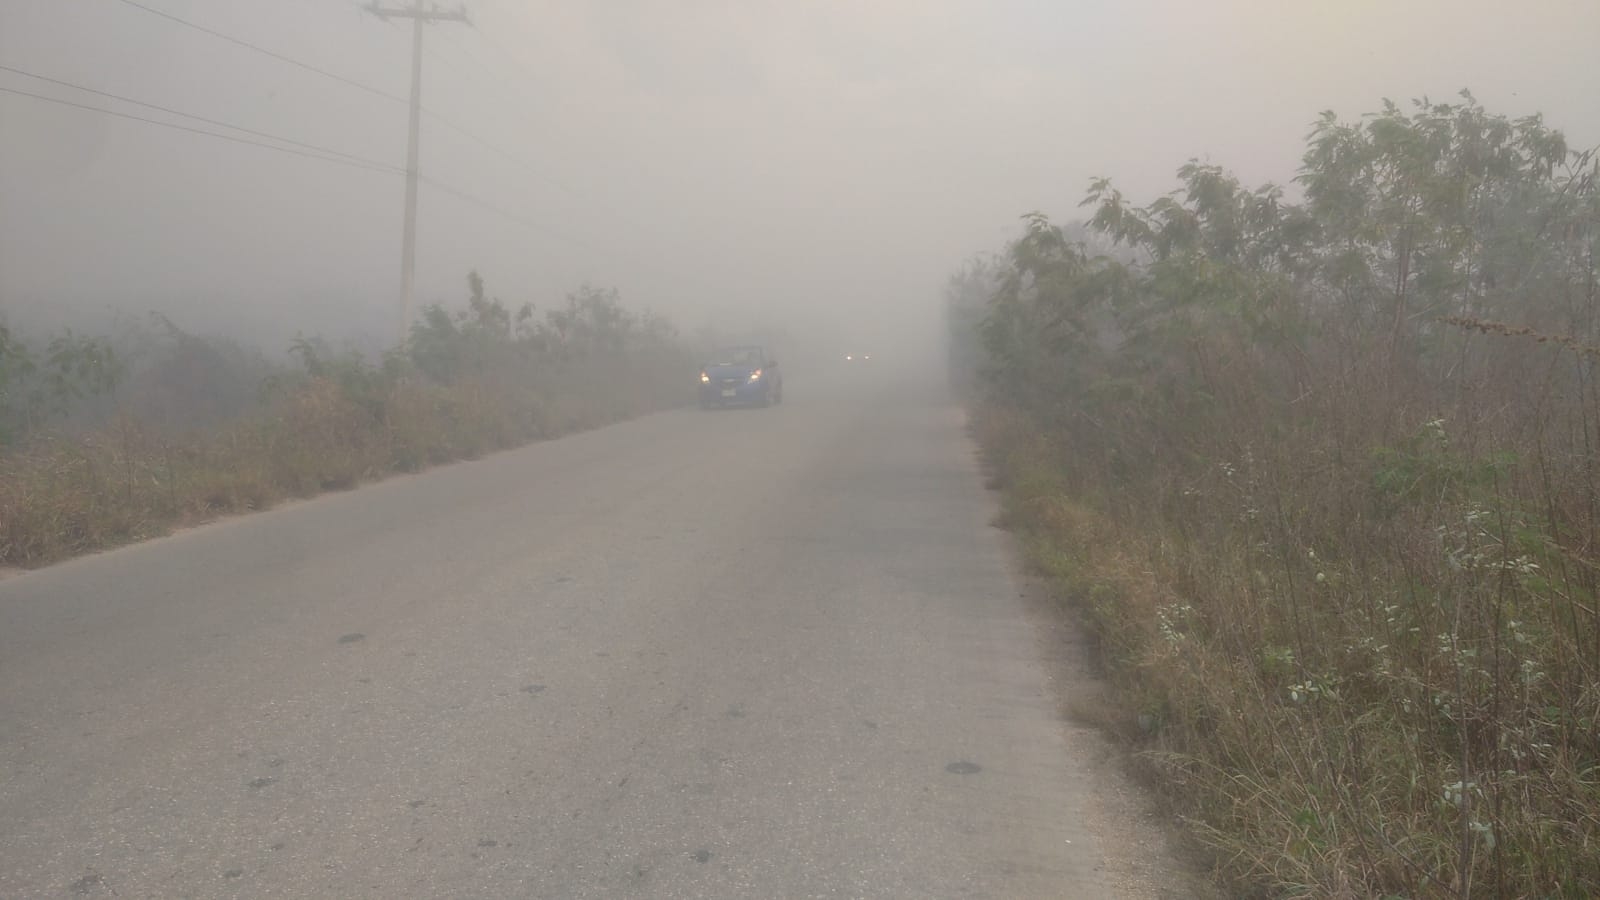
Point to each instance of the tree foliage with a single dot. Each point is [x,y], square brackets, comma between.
[40,383]
[1354,425]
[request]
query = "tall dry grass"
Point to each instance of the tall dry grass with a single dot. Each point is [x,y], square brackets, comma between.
[1362,650]
[63,495]
[1334,524]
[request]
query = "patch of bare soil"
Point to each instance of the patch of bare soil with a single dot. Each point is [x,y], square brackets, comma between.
[1145,853]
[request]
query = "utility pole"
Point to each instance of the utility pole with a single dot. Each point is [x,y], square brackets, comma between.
[408,246]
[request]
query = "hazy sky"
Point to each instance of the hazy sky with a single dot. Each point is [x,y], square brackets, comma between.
[739,160]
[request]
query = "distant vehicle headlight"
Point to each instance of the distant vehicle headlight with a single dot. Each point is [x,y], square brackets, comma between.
[705,378]
[848,357]
[756,375]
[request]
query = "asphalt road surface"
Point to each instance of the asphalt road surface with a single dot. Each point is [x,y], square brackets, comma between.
[764,653]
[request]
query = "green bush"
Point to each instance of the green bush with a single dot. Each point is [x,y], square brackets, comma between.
[1330,516]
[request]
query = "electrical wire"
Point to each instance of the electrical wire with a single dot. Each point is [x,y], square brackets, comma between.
[340,78]
[514,158]
[505,213]
[264,51]
[178,112]
[339,157]
[354,162]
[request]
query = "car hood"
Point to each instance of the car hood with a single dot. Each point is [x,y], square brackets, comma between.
[740,371]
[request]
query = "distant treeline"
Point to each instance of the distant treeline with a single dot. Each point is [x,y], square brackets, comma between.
[1324,475]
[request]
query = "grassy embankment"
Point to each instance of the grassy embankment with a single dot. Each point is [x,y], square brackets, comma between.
[1335,527]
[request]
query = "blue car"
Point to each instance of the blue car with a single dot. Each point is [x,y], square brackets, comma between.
[740,376]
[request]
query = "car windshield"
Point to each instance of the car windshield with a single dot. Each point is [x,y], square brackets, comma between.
[737,356]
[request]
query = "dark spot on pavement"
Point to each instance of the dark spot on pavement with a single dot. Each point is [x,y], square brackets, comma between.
[233,873]
[87,883]
[364,680]
[963,768]
[701,856]
[416,803]
[409,653]
[274,762]
[263,781]
[488,842]
[564,579]
[277,846]
[352,637]
[735,712]
[532,688]
[601,653]
[871,725]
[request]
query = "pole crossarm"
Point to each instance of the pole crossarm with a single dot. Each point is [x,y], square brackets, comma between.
[419,17]
[425,15]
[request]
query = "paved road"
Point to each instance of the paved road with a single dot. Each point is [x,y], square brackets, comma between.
[767,653]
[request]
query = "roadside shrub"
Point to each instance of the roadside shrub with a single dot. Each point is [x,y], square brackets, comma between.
[1332,519]
[468,383]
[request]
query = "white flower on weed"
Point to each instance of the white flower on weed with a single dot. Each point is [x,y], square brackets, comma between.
[1457,793]
[1522,565]
[1314,688]
[1172,619]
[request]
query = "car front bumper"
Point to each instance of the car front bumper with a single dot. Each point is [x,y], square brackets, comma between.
[723,393]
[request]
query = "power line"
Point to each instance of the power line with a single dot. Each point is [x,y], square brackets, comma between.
[179,112]
[499,48]
[518,161]
[514,158]
[354,162]
[264,51]
[498,80]
[530,224]
[505,213]
[349,160]
[408,242]
[467,64]
[340,78]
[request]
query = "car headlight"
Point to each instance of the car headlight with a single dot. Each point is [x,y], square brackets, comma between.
[704,378]
[848,357]
[756,375]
